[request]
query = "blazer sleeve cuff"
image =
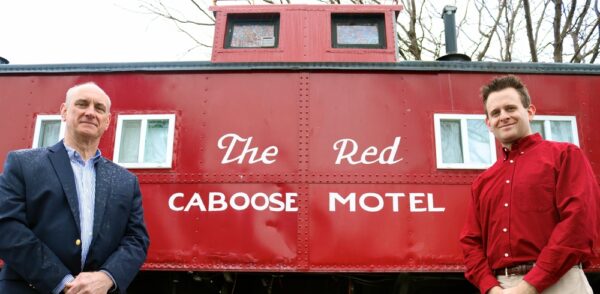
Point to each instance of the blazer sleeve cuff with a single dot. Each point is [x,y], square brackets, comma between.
[114,288]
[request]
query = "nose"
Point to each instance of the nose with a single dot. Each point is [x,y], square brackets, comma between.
[90,112]
[503,115]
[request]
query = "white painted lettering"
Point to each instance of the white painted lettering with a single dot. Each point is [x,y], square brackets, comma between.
[395,201]
[245,199]
[431,206]
[363,202]
[348,148]
[216,201]
[172,202]
[266,157]
[351,199]
[195,201]
[255,201]
[414,201]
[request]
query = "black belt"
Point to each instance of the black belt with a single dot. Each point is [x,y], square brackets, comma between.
[521,269]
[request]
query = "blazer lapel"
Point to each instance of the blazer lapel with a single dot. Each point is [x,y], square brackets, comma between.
[62,165]
[103,191]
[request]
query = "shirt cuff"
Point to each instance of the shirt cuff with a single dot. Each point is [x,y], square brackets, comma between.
[488,282]
[114,287]
[61,286]
[540,279]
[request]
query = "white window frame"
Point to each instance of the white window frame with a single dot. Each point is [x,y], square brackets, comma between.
[144,123]
[548,130]
[437,117]
[38,127]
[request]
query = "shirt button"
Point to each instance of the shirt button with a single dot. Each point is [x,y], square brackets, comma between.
[505,254]
[505,230]
[77,242]
[508,181]
[512,161]
[505,204]
[522,152]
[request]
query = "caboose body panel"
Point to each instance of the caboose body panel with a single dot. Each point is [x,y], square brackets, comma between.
[299,170]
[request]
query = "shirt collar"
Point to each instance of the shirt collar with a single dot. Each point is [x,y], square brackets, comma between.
[523,144]
[75,156]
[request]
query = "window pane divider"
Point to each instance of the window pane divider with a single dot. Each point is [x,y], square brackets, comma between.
[142,147]
[464,140]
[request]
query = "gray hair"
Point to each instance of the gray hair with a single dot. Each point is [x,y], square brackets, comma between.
[76,88]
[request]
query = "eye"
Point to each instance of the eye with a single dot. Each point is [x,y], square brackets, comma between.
[80,103]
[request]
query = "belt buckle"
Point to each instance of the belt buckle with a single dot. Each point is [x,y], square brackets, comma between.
[506,271]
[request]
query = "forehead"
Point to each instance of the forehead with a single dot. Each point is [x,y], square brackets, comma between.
[89,93]
[503,97]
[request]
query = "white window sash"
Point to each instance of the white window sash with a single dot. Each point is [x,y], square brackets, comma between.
[144,118]
[547,119]
[41,118]
[467,164]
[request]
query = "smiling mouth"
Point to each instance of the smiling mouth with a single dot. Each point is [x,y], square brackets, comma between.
[88,123]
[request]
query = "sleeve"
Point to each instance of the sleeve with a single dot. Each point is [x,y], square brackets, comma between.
[478,271]
[61,286]
[20,249]
[125,262]
[573,239]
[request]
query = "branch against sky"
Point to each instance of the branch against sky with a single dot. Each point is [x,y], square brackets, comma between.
[504,30]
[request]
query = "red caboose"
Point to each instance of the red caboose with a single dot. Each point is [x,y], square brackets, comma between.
[303,158]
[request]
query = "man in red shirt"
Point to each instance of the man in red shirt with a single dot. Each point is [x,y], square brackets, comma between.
[533,216]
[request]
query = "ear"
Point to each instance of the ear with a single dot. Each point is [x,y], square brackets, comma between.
[63,112]
[531,111]
[487,123]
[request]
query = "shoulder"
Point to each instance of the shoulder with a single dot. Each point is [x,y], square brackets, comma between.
[32,156]
[559,146]
[559,150]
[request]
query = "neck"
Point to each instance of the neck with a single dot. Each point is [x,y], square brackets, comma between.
[86,148]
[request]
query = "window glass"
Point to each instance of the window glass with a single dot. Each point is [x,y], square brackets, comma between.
[155,150]
[130,141]
[49,129]
[252,31]
[253,36]
[49,133]
[361,34]
[560,128]
[358,30]
[145,141]
[463,141]
[561,131]
[537,126]
[479,142]
[451,141]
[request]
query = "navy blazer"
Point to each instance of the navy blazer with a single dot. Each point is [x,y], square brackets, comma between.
[39,222]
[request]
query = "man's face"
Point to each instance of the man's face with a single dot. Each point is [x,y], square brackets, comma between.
[506,116]
[87,115]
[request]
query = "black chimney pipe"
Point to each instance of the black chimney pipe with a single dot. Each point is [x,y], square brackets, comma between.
[450,35]
[450,28]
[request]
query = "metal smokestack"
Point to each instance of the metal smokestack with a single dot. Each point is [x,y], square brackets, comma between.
[450,35]
[450,28]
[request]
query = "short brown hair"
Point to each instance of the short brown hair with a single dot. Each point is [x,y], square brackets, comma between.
[503,82]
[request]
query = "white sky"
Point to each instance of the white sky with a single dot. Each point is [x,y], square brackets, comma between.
[89,31]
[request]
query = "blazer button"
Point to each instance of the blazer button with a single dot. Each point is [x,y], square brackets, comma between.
[77,242]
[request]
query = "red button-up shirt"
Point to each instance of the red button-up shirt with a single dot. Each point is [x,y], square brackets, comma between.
[539,203]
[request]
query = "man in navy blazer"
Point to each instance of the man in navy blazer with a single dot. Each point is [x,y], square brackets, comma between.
[70,220]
